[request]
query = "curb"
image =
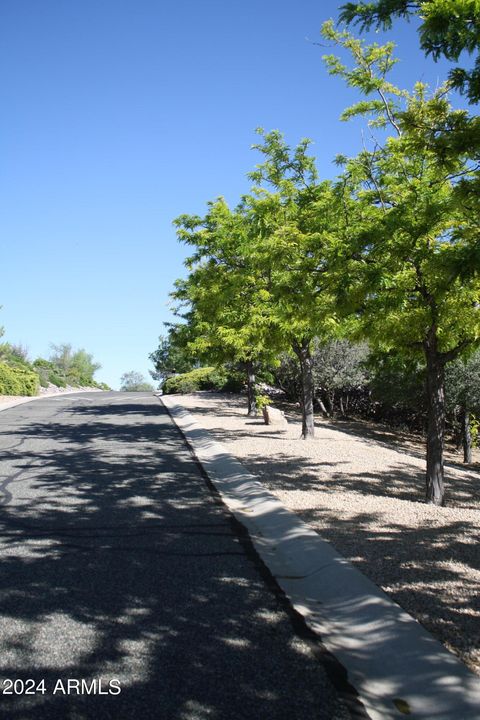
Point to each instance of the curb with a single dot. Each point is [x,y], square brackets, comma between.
[397,667]
[21,401]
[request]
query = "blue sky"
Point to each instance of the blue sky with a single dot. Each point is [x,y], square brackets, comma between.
[119,115]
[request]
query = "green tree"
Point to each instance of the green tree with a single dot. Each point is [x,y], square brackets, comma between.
[133,381]
[84,366]
[228,318]
[448,28]
[294,221]
[339,368]
[462,389]
[410,235]
[76,367]
[171,356]
[61,356]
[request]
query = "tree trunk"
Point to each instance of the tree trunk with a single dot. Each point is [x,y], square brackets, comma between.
[466,436]
[322,407]
[435,488]
[251,394]
[342,409]
[306,367]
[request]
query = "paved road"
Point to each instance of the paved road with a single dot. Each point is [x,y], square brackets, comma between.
[119,566]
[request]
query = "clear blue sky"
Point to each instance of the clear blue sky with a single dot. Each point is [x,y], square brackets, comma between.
[119,115]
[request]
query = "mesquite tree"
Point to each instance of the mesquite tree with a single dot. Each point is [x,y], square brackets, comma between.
[406,263]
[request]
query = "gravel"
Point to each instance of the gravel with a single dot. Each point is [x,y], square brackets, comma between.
[361,487]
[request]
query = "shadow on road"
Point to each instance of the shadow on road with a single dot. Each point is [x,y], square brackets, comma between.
[117,564]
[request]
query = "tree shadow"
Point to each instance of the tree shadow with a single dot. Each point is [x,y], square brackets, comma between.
[117,564]
[426,558]
[432,571]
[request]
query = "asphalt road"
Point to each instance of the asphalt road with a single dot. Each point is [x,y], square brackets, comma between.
[120,568]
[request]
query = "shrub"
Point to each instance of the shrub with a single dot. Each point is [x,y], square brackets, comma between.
[9,383]
[29,381]
[262,401]
[207,378]
[17,381]
[48,373]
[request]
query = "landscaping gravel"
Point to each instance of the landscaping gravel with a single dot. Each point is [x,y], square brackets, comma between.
[361,486]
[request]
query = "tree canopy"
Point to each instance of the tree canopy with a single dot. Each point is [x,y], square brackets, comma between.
[448,28]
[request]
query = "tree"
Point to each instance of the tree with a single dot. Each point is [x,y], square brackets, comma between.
[339,369]
[61,356]
[448,28]
[228,319]
[76,367]
[172,355]
[84,366]
[462,389]
[294,220]
[410,235]
[133,381]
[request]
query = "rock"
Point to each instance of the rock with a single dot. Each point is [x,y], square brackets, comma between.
[273,416]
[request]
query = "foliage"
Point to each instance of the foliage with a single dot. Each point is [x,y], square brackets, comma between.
[17,380]
[205,378]
[296,222]
[9,382]
[448,28]
[48,373]
[172,355]
[409,234]
[339,369]
[14,355]
[263,401]
[73,367]
[227,314]
[462,383]
[133,381]
[287,376]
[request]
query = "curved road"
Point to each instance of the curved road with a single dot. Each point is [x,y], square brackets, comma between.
[120,569]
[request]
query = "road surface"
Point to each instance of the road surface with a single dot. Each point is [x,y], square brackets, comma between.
[126,590]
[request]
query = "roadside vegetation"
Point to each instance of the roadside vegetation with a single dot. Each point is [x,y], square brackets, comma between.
[357,295]
[19,375]
[134,381]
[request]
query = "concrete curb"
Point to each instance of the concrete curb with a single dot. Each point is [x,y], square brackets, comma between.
[21,401]
[396,666]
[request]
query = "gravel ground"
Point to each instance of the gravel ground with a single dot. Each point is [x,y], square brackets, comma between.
[361,487]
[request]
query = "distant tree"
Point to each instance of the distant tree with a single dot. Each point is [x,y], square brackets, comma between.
[172,355]
[14,354]
[287,376]
[20,351]
[61,356]
[448,28]
[339,369]
[75,367]
[134,382]
[84,365]
[462,391]
[398,387]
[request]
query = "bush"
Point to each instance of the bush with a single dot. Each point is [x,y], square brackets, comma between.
[9,383]
[18,381]
[48,373]
[208,378]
